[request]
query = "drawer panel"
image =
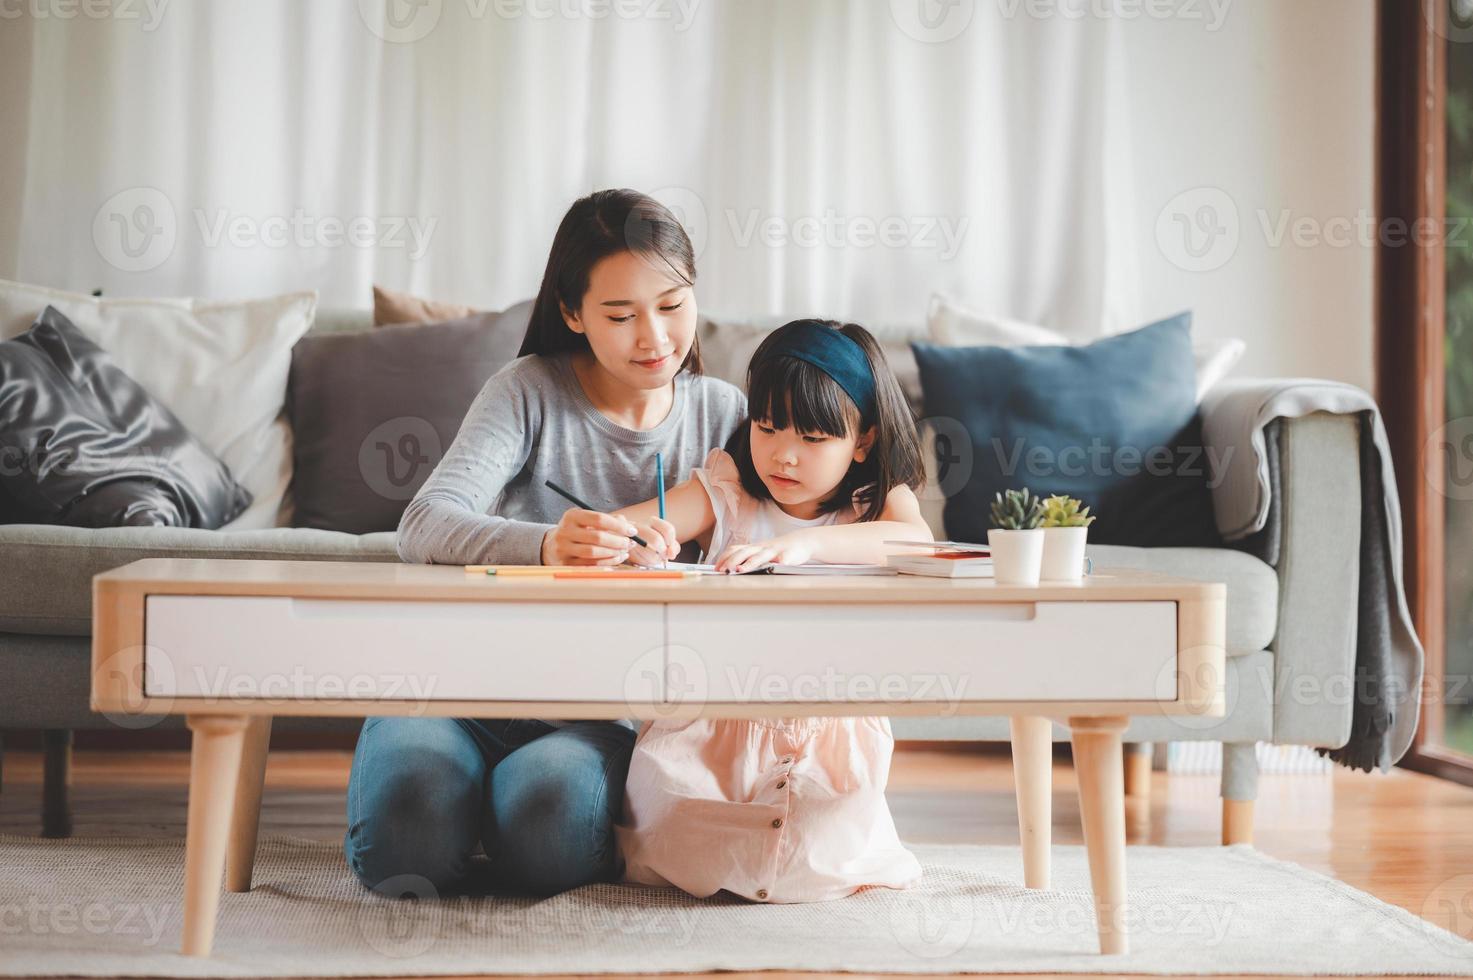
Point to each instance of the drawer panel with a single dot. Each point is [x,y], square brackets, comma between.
[1046,651]
[277,647]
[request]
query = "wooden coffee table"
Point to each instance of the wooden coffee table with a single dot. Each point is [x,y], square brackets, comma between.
[229,644]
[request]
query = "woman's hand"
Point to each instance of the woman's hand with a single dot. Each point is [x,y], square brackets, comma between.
[664,542]
[790,549]
[588,537]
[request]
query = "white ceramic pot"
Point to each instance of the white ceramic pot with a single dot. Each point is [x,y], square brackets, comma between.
[1063,554]
[1017,556]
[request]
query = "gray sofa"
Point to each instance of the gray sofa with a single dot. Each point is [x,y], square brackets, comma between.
[1290,624]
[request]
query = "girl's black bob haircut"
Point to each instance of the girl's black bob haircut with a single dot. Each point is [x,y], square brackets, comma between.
[602,224]
[785,391]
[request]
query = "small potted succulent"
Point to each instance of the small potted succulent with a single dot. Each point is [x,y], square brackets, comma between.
[1015,538]
[1065,525]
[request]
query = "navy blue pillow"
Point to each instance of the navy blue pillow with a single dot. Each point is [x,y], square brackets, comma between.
[1113,423]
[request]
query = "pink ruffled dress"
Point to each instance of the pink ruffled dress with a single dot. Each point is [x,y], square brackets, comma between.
[773,810]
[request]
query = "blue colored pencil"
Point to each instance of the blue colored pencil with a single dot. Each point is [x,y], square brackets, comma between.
[660,481]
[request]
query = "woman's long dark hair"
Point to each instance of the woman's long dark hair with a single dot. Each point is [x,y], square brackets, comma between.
[786,391]
[602,224]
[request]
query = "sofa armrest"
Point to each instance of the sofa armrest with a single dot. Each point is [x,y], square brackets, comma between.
[46,577]
[1311,537]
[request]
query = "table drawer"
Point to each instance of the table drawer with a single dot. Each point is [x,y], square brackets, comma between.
[1022,651]
[277,647]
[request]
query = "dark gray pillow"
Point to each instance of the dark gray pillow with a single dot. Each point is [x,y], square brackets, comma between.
[372,412]
[83,444]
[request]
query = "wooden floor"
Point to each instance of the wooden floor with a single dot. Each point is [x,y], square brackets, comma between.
[1398,836]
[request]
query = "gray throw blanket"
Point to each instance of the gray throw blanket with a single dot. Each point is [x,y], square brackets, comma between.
[1243,414]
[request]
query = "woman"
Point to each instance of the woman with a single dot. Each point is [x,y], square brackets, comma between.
[610,374]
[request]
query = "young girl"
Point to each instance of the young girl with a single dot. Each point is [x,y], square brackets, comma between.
[792,809]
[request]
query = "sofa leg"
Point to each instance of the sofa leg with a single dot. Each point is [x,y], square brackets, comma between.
[56,810]
[1138,769]
[1239,790]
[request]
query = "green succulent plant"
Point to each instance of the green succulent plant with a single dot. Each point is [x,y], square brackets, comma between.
[1016,510]
[1062,511]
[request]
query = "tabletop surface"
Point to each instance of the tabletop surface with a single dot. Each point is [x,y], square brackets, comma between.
[396,581]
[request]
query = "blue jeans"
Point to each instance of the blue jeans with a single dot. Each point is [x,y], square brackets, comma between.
[541,800]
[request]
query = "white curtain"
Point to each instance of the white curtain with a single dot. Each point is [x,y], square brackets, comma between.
[834,157]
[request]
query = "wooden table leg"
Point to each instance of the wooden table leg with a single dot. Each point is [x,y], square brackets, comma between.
[214,771]
[1033,782]
[240,858]
[1099,767]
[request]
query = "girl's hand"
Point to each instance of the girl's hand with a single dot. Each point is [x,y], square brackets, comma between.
[588,537]
[790,549]
[664,542]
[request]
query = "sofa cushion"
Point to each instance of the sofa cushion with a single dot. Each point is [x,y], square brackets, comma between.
[952,325]
[1252,585]
[46,577]
[393,307]
[1113,423]
[89,447]
[373,413]
[220,367]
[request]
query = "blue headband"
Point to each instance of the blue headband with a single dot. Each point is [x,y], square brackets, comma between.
[834,354]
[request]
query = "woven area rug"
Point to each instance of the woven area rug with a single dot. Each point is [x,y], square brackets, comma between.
[106,906]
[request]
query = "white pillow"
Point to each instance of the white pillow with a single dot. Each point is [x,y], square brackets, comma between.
[220,367]
[953,326]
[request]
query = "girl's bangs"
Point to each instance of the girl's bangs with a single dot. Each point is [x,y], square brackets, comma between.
[790,393]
